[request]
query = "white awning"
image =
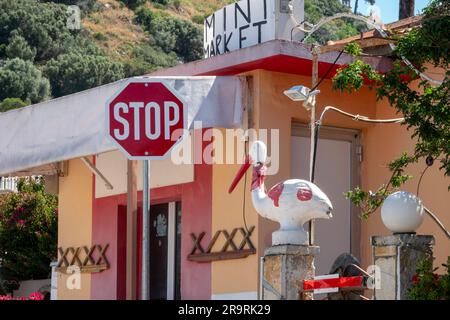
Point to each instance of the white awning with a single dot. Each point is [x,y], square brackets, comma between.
[73,126]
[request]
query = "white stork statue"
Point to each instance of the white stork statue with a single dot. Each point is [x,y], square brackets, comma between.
[290,203]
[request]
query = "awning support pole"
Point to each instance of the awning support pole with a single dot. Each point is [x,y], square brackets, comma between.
[145,295]
[131,229]
[97,172]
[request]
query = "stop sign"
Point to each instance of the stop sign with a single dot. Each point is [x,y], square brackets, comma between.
[146,118]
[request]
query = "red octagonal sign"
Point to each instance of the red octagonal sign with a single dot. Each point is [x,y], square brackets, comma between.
[146,118]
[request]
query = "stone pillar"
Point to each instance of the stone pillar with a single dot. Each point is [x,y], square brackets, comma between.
[285,268]
[54,281]
[397,257]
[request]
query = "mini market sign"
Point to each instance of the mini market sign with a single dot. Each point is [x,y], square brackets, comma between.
[239,25]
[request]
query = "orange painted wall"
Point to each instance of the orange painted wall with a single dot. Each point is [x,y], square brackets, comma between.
[75,221]
[382,143]
[233,276]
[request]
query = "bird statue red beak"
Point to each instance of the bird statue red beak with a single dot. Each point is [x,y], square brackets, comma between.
[247,164]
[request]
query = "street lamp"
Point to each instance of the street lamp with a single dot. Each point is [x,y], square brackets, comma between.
[402,212]
[302,93]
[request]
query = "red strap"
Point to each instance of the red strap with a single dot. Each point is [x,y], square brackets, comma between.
[333,283]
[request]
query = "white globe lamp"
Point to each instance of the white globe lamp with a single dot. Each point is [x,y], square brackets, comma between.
[402,212]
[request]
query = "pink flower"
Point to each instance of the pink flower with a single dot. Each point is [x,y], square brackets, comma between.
[21,222]
[36,296]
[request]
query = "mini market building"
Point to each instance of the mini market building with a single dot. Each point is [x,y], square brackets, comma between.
[201,246]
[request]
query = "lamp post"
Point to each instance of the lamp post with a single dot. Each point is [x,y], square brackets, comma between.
[301,93]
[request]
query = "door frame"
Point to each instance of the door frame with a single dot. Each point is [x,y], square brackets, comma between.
[171,250]
[354,137]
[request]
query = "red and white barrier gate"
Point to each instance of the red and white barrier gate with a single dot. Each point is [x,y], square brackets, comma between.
[332,282]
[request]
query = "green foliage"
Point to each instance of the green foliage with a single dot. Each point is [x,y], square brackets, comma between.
[369,201]
[147,59]
[161,2]
[427,285]
[425,109]
[133,4]
[77,71]
[144,16]
[21,79]
[18,48]
[42,25]
[176,4]
[99,36]
[11,103]
[86,6]
[177,35]
[353,49]
[315,10]
[353,76]
[28,232]
[198,19]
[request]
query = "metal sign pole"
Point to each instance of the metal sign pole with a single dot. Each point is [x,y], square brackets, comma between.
[145,291]
[315,73]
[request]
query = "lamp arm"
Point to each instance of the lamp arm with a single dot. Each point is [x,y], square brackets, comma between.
[438,222]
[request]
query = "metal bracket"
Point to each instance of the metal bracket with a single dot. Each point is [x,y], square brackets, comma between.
[266,285]
[97,172]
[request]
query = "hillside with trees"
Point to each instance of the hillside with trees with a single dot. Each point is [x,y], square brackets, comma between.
[42,58]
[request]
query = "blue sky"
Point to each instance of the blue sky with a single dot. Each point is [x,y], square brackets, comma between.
[388,8]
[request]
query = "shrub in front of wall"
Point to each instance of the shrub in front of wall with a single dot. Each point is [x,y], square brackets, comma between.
[28,233]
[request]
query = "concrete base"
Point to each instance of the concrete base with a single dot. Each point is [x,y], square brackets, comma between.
[397,257]
[294,237]
[285,268]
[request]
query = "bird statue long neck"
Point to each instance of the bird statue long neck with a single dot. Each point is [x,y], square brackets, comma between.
[258,189]
[259,174]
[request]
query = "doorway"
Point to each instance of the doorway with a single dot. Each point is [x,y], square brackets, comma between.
[165,251]
[337,171]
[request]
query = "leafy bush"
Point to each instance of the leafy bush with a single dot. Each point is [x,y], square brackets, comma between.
[198,19]
[28,233]
[42,25]
[99,36]
[144,16]
[77,71]
[161,2]
[177,35]
[336,29]
[176,4]
[11,103]
[147,59]
[428,285]
[21,79]
[18,48]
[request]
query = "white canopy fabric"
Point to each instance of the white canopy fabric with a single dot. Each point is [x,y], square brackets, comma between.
[74,126]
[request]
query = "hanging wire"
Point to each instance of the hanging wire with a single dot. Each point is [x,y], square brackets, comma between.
[420,180]
[245,189]
[438,222]
[297,26]
[328,71]
[355,117]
